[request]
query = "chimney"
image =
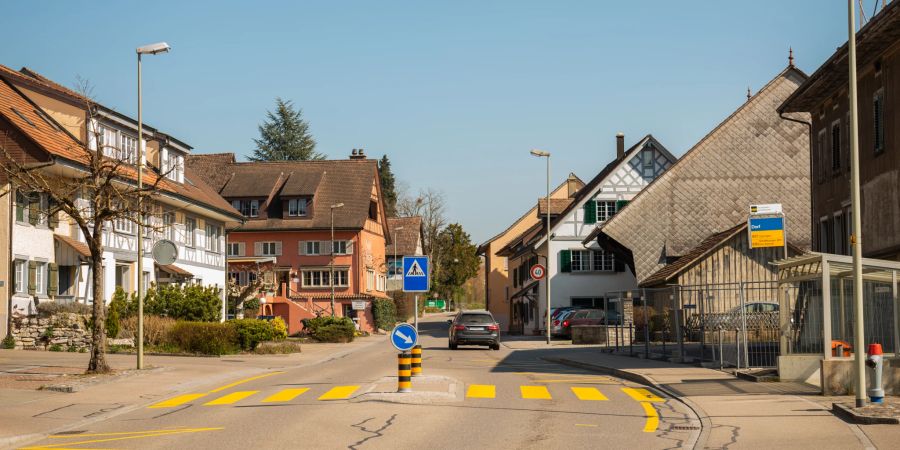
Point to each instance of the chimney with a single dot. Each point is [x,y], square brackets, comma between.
[572,185]
[620,145]
[357,154]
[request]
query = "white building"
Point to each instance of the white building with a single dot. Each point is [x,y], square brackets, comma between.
[581,275]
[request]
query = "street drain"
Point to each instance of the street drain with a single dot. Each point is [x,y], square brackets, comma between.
[683,428]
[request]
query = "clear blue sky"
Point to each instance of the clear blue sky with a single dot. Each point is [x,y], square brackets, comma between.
[455,93]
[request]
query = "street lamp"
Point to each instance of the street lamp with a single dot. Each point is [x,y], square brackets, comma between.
[331,265]
[543,154]
[152,49]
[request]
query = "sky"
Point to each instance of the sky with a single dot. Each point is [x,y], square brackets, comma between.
[455,93]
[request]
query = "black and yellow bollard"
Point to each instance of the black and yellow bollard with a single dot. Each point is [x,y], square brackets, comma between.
[417,361]
[404,373]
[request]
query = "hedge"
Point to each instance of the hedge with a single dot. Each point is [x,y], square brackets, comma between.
[385,313]
[207,338]
[331,329]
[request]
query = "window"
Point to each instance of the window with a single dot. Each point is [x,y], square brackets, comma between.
[602,261]
[836,146]
[310,247]
[319,278]
[605,210]
[297,207]
[169,226]
[380,283]
[370,279]
[40,278]
[838,228]
[213,236]
[269,248]
[123,277]
[190,228]
[249,208]
[820,156]
[236,204]
[19,281]
[878,120]
[124,224]
[581,261]
[235,248]
[589,260]
[647,158]
[339,247]
[109,141]
[373,210]
[128,149]
[21,206]
[173,165]
[824,235]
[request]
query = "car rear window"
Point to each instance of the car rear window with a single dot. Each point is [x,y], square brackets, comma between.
[476,318]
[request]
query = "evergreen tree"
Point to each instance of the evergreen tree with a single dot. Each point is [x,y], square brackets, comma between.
[285,136]
[455,261]
[388,187]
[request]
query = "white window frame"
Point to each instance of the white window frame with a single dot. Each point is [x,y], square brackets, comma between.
[123,224]
[318,278]
[213,235]
[605,209]
[40,278]
[128,148]
[190,231]
[21,273]
[267,246]
[297,207]
[233,248]
[336,247]
[581,261]
[602,261]
[311,248]
[370,280]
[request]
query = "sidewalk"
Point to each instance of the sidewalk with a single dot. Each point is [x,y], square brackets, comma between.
[28,414]
[737,413]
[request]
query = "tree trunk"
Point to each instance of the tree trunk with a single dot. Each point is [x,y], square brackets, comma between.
[98,363]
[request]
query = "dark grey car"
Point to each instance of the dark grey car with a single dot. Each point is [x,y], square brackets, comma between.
[474,328]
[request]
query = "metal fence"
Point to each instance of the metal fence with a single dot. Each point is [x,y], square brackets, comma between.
[731,324]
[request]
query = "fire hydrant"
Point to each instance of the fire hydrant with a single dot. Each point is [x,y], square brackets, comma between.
[874,361]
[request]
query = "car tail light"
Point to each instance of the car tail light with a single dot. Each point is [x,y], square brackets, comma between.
[565,323]
[494,327]
[459,327]
[555,323]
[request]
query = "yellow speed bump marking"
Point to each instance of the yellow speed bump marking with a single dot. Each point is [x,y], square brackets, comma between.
[481,391]
[339,393]
[233,397]
[535,392]
[642,395]
[285,395]
[588,393]
[652,417]
[177,401]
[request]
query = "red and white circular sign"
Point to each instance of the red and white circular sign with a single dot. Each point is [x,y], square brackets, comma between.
[538,272]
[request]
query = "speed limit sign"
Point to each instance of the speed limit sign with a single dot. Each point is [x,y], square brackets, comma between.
[538,272]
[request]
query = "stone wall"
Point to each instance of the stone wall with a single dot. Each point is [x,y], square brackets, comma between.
[65,329]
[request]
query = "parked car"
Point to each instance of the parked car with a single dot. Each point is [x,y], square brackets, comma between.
[560,322]
[557,311]
[474,328]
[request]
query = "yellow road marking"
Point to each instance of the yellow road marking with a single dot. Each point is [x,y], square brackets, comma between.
[588,393]
[177,401]
[122,433]
[481,391]
[652,417]
[245,380]
[233,397]
[642,395]
[285,395]
[122,438]
[579,381]
[535,392]
[339,393]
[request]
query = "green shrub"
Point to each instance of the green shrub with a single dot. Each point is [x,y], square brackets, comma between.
[155,329]
[189,303]
[279,328]
[204,338]
[71,349]
[9,342]
[277,348]
[251,332]
[56,348]
[331,329]
[385,313]
[118,308]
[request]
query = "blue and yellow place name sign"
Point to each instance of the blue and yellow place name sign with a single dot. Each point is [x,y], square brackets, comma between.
[766,232]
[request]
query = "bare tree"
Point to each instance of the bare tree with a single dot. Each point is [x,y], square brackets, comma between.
[430,204]
[100,191]
[238,294]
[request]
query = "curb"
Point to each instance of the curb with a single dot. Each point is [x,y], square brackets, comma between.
[849,415]
[699,439]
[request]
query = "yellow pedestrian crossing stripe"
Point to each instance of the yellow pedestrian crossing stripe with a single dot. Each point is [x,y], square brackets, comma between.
[588,393]
[641,395]
[177,401]
[481,391]
[233,397]
[285,395]
[535,392]
[339,393]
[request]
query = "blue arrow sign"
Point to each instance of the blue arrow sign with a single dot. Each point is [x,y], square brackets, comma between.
[416,274]
[404,337]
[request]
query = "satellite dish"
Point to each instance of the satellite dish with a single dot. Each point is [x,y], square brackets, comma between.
[165,252]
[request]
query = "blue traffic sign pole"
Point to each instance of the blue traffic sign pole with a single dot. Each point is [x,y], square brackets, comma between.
[404,337]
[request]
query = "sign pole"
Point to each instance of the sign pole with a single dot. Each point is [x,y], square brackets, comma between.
[416,316]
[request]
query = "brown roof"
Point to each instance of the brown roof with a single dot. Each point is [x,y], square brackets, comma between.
[406,239]
[209,164]
[80,247]
[872,41]
[710,243]
[557,205]
[753,156]
[175,270]
[335,181]
[34,79]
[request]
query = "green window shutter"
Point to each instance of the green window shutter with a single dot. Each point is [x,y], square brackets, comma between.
[590,212]
[565,261]
[33,211]
[32,285]
[620,204]
[53,218]
[53,279]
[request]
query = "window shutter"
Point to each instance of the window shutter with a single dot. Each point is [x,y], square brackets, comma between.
[565,259]
[325,248]
[620,204]
[278,248]
[242,249]
[53,285]
[32,285]
[590,212]
[53,220]
[257,249]
[33,211]
[349,247]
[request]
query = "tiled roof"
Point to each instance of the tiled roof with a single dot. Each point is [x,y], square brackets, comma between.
[32,78]
[407,238]
[175,270]
[753,156]
[557,205]
[80,247]
[330,182]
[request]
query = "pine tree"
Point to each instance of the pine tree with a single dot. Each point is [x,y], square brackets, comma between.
[388,187]
[285,136]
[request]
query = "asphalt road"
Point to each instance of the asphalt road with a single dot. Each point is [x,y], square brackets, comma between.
[500,399]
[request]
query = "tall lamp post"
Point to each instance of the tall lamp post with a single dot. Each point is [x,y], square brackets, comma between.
[152,49]
[543,154]
[331,264]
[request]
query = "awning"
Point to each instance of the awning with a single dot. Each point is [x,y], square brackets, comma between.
[525,290]
[80,247]
[172,269]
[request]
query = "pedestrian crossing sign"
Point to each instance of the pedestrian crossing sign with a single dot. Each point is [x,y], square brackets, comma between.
[416,277]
